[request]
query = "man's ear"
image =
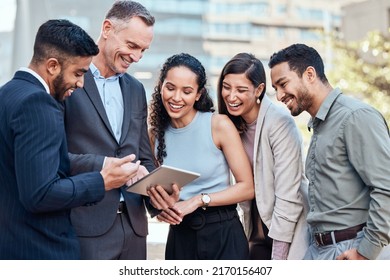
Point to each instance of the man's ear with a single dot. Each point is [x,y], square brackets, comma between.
[53,67]
[107,27]
[310,74]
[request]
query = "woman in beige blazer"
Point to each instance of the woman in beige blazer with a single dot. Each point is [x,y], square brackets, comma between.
[275,221]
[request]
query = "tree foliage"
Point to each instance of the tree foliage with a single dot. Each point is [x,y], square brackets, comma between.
[362,68]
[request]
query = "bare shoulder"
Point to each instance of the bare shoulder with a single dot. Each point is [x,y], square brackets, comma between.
[222,123]
[223,130]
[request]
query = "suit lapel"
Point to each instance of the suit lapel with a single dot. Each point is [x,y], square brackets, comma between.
[265,104]
[126,94]
[93,94]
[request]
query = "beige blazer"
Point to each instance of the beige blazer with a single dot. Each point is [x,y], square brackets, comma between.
[280,183]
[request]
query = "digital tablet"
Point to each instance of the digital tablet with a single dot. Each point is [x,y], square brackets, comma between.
[164,176]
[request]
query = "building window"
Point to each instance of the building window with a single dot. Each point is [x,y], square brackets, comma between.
[281,10]
[310,14]
[179,26]
[309,35]
[281,32]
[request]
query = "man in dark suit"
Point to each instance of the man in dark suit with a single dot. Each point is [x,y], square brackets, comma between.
[36,194]
[105,120]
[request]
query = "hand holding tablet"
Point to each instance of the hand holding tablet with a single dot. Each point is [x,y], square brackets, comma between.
[164,176]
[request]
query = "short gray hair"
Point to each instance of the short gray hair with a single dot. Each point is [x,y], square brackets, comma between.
[123,11]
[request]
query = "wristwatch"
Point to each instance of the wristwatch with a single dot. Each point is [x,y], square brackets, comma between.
[206,200]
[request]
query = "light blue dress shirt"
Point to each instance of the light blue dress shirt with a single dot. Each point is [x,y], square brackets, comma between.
[111,95]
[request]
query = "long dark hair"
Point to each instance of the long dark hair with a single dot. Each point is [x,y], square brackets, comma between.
[159,118]
[254,72]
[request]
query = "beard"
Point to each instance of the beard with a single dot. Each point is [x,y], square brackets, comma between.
[59,87]
[303,100]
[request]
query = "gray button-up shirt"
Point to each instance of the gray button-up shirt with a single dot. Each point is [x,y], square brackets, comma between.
[348,167]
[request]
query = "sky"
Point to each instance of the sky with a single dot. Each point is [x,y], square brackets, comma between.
[7,15]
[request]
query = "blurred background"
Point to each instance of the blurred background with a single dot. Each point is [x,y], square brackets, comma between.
[351,35]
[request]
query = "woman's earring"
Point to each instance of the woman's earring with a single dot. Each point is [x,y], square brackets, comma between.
[258,101]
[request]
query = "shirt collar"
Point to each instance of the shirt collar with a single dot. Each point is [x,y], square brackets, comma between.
[325,107]
[96,73]
[36,75]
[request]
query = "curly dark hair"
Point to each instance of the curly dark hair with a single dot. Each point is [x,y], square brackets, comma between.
[159,118]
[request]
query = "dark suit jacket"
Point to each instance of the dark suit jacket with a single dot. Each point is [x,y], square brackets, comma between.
[35,193]
[90,139]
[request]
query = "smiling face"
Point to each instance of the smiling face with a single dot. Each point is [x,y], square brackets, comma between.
[179,93]
[240,96]
[121,44]
[70,77]
[291,89]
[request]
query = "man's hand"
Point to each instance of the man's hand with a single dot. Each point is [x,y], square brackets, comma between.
[115,175]
[142,171]
[351,254]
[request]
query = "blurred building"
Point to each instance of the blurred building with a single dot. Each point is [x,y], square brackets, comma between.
[216,30]
[5,56]
[30,14]
[360,18]
[211,30]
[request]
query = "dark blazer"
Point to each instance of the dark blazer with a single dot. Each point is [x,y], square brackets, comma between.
[35,193]
[90,139]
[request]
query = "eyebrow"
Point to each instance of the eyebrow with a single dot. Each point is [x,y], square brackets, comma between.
[135,45]
[280,80]
[240,87]
[132,43]
[188,87]
[172,84]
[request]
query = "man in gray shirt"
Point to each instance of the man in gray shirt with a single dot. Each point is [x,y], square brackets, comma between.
[347,161]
